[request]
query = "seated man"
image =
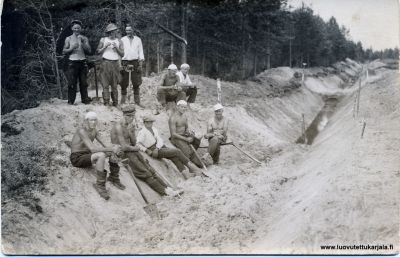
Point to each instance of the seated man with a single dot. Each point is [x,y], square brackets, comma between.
[217,128]
[84,154]
[123,133]
[150,142]
[180,135]
[187,86]
[169,90]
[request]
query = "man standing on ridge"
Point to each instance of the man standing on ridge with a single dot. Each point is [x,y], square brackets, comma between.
[111,49]
[132,60]
[76,47]
[84,154]
[181,138]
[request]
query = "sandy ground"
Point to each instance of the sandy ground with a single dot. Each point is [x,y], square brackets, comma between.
[341,190]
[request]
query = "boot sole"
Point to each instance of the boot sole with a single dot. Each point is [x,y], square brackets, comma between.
[105,198]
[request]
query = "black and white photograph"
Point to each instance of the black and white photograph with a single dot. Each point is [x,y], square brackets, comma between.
[176,127]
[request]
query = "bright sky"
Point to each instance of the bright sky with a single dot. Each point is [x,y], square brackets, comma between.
[373,22]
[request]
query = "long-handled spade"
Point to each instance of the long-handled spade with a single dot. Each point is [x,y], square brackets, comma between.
[130,87]
[205,170]
[150,208]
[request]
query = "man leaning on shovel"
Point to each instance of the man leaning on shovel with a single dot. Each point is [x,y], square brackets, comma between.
[123,133]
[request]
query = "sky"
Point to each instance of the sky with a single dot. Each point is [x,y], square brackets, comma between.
[373,22]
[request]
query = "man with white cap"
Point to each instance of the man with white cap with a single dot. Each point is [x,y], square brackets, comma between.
[123,133]
[187,85]
[132,61]
[150,142]
[84,153]
[217,129]
[169,90]
[181,137]
[111,49]
[76,47]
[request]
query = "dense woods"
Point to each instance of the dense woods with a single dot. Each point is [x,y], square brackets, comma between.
[231,39]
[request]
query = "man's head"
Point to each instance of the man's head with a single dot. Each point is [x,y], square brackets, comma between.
[129,30]
[129,113]
[111,30]
[172,69]
[91,120]
[218,110]
[181,106]
[185,68]
[148,121]
[76,27]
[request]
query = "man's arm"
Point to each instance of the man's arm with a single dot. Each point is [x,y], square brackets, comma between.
[102,47]
[85,44]
[162,83]
[89,144]
[140,46]
[160,141]
[172,130]
[120,48]
[210,131]
[139,141]
[125,145]
[68,48]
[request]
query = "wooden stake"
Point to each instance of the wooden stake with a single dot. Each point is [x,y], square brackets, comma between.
[362,132]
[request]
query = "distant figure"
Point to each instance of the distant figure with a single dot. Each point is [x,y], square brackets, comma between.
[180,135]
[169,90]
[76,47]
[84,154]
[132,60]
[217,129]
[123,133]
[150,142]
[187,86]
[111,49]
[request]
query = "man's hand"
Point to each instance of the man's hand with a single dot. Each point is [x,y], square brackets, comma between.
[155,153]
[117,150]
[134,148]
[149,152]
[208,135]
[74,46]
[189,139]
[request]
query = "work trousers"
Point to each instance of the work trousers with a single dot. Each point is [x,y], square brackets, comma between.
[77,71]
[142,170]
[187,150]
[136,77]
[169,95]
[175,155]
[214,148]
[110,77]
[191,93]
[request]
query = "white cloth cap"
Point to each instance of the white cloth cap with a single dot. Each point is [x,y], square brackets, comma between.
[90,115]
[172,67]
[185,65]
[181,102]
[218,107]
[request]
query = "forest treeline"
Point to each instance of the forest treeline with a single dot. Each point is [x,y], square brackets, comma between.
[230,39]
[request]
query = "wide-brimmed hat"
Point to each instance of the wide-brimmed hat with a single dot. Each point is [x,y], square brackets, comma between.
[111,27]
[148,118]
[218,107]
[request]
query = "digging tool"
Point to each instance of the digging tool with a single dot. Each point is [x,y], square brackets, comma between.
[129,69]
[150,208]
[219,91]
[205,171]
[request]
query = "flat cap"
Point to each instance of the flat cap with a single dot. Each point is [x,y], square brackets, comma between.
[128,109]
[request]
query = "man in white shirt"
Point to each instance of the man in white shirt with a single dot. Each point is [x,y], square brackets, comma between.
[187,86]
[132,60]
[111,49]
[150,142]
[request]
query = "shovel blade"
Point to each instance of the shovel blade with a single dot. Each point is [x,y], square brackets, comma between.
[152,211]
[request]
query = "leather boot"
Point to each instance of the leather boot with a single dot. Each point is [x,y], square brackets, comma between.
[114,98]
[114,176]
[106,100]
[123,99]
[100,185]
[137,101]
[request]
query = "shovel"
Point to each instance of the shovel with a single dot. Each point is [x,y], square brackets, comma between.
[150,208]
[205,171]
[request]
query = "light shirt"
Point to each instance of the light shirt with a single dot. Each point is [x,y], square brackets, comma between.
[110,53]
[184,79]
[133,49]
[146,139]
[218,127]
[77,54]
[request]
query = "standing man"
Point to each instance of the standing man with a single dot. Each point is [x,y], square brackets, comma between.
[150,142]
[217,129]
[84,154]
[181,138]
[187,86]
[123,134]
[169,90]
[77,46]
[111,49]
[132,60]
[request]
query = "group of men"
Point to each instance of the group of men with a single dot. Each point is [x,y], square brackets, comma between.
[128,144]
[121,64]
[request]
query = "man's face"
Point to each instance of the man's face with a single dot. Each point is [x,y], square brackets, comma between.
[113,34]
[76,28]
[171,72]
[148,124]
[92,122]
[181,108]
[218,113]
[185,70]
[129,117]
[129,31]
